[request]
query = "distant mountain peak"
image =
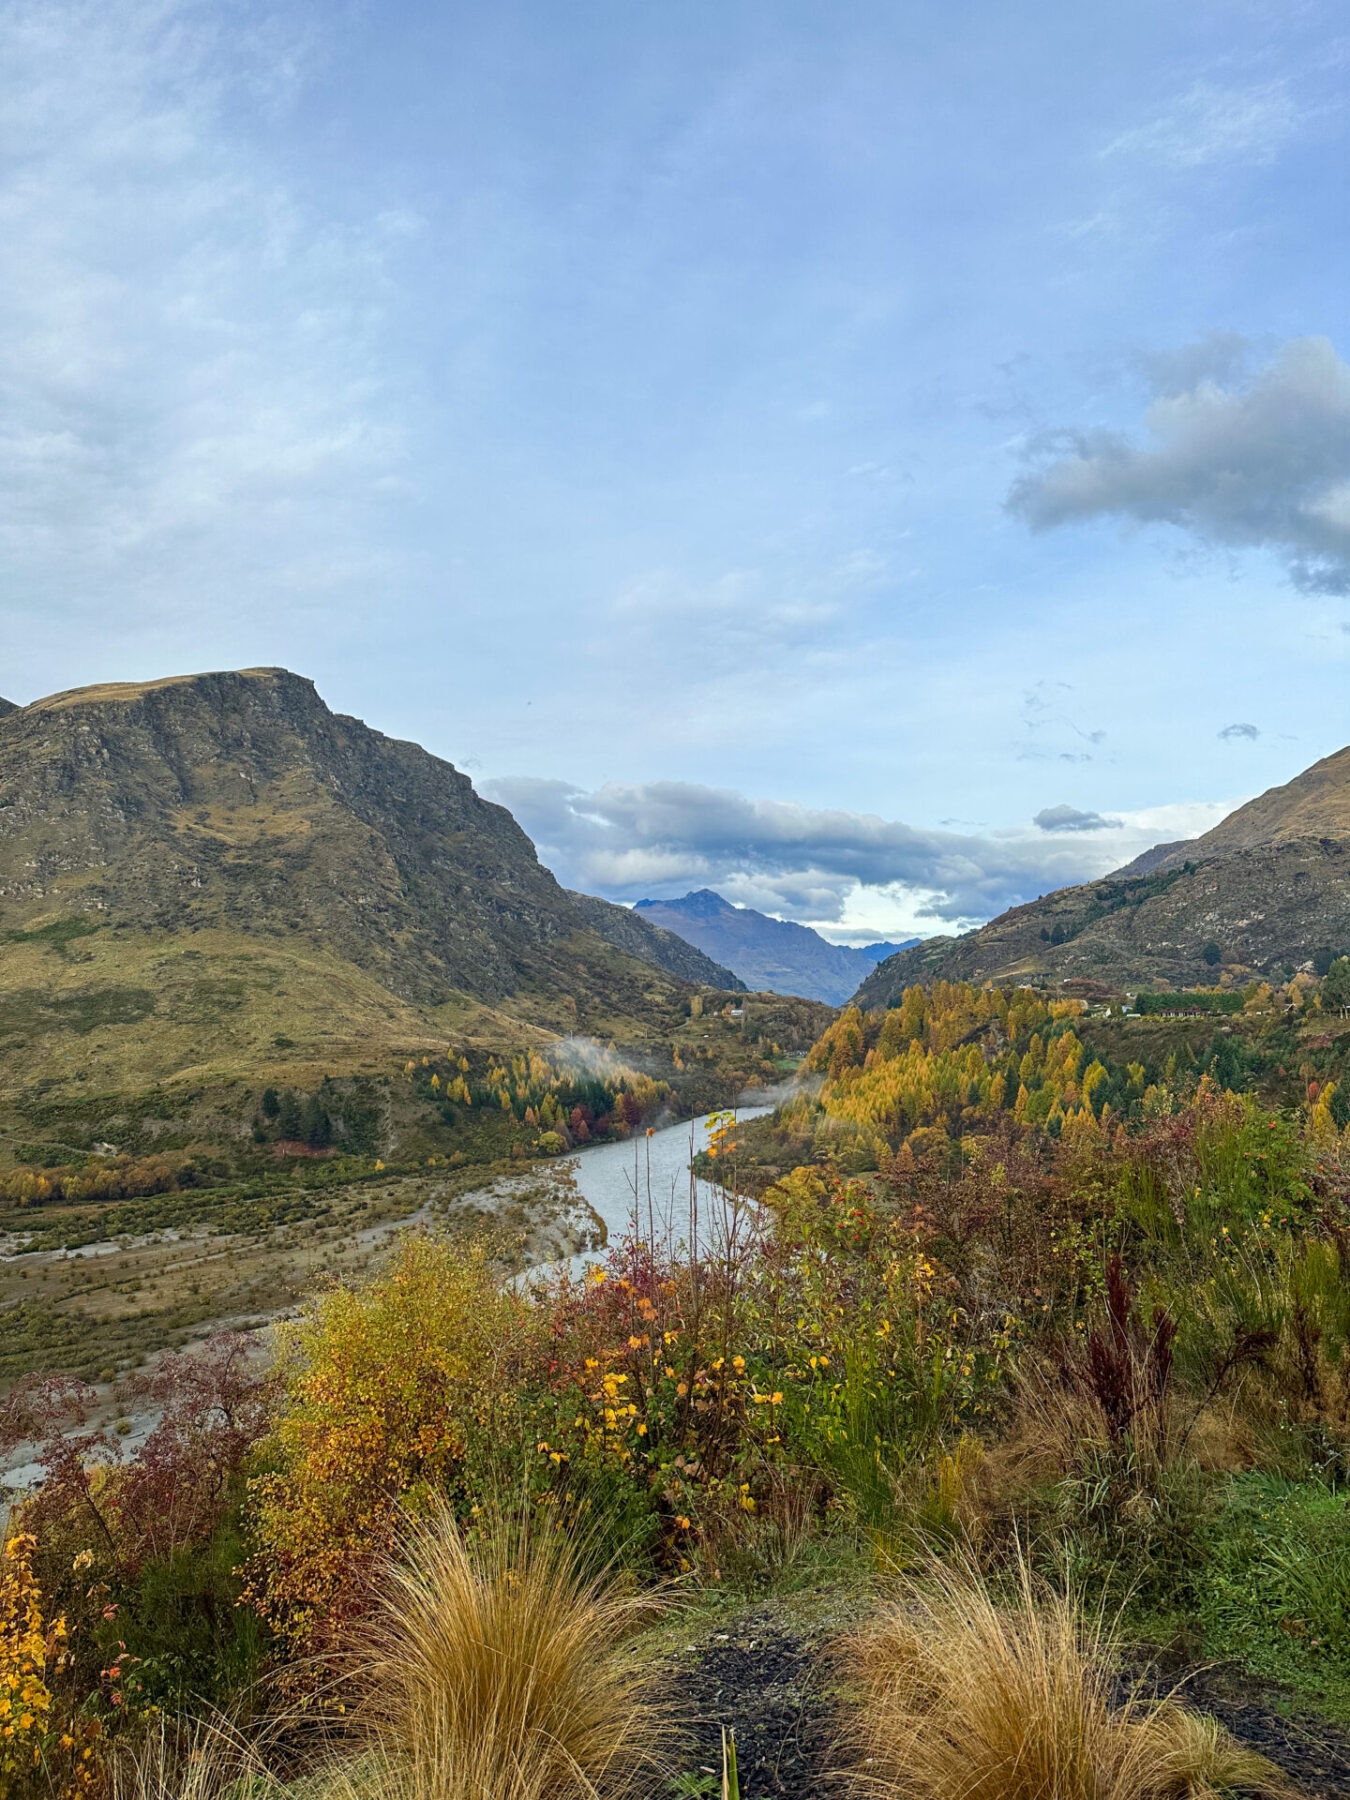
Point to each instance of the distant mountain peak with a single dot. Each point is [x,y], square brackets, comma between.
[770,955]
[702,903]
[6,706]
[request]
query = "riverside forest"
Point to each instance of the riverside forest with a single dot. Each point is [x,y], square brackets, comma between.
[970,1420]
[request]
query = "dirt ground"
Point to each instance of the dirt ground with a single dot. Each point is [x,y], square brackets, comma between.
[771,1682]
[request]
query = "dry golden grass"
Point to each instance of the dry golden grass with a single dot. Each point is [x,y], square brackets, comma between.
[190,1760]
[967,1697]
[494,1672]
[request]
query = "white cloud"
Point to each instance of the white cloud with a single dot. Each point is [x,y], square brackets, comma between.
[752,605]
[1258,461]
[190,405]
[1210,124]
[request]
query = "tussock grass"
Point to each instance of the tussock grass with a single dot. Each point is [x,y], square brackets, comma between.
[494,1671]
[969,1697]
[207,1759]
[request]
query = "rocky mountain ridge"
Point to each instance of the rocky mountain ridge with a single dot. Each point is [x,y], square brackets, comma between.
[1265,892]
[238,798]
[290,860]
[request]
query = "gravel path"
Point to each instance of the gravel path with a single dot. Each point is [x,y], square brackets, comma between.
[1313,1751]
[768,1689]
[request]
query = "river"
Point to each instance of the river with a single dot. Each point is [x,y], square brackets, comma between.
[655,1169]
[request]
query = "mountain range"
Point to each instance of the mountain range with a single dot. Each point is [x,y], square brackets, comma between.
[209,874]
[201,872]
[770,955]
[1266,891]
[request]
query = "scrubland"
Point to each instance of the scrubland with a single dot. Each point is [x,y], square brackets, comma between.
[1036,1362]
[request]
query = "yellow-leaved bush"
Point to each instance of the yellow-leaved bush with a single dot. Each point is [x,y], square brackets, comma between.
[28,1649]
[393,1394]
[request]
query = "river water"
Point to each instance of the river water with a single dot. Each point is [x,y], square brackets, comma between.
[653,1172]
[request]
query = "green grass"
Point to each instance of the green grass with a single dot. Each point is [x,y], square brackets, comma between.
[1275,1592]
[58,933]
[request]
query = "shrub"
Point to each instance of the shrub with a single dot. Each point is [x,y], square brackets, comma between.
[28,1648]
[138,1551]
[409,1390]
[810,1361]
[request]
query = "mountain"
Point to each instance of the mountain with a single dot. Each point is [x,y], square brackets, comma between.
[199,870]
[651,940]
[1313,806]
[1265,891]
[6,706]
[770,955]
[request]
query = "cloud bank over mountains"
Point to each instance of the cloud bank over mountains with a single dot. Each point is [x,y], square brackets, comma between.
[1235,458]
[858,873]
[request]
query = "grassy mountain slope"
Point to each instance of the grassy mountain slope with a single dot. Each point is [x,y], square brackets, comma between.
[1315,804]
[213,873]
[769,954]
[1265,891]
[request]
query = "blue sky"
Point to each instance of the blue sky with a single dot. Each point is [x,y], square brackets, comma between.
[783,447]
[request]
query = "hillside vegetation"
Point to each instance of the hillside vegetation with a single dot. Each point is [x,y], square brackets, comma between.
[952,1058]
[1039,1315]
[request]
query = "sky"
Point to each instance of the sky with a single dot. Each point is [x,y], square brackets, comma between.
[883,462]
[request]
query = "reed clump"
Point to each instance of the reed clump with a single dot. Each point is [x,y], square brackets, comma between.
[191,1759]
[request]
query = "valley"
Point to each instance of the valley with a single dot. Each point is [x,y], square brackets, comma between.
[346,1204]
